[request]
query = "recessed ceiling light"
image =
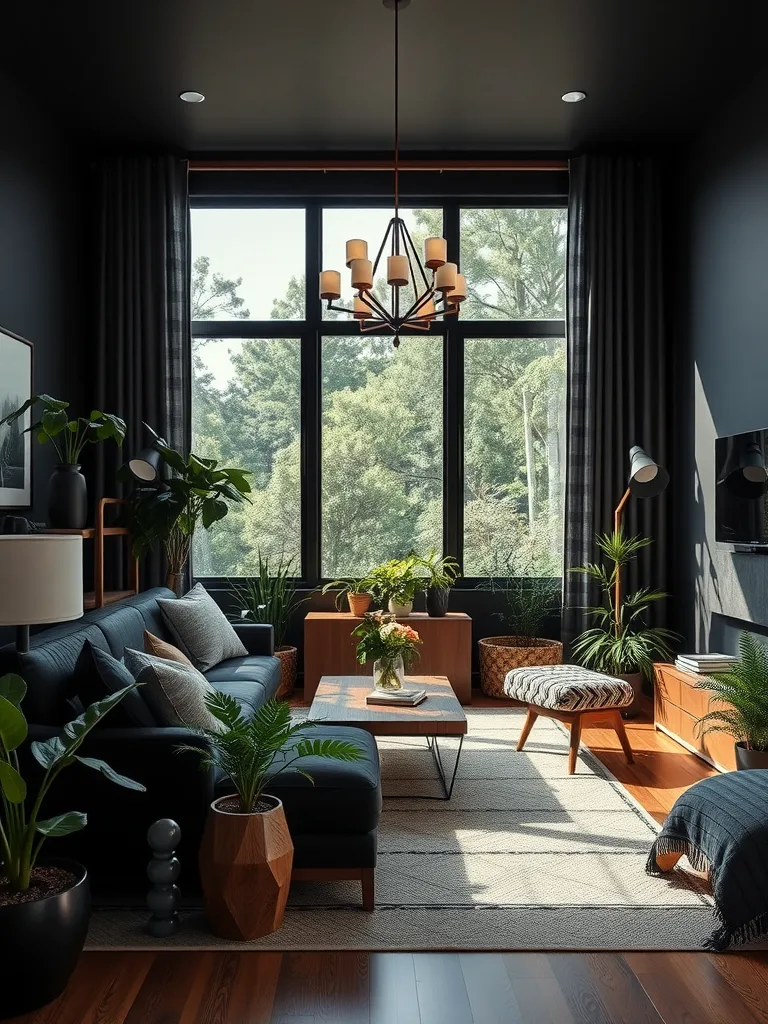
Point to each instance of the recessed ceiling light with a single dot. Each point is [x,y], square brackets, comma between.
[190,96]
[574,97]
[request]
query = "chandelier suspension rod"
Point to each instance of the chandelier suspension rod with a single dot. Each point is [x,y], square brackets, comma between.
[397,117]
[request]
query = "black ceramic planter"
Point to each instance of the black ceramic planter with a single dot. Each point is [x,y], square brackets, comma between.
[437,601]
[40,944]
[67,499]
[747,759]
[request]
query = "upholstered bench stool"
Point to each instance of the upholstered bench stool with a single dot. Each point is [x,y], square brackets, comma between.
[570,694]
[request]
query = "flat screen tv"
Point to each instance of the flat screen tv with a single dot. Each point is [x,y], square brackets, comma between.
[741,490]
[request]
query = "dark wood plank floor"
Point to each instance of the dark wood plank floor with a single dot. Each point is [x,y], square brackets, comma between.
[439,988]
[413,988]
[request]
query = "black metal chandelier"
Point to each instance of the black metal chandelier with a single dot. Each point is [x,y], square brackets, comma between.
[437,294]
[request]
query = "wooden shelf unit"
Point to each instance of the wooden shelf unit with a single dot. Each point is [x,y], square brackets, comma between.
[99,596]
[678,705]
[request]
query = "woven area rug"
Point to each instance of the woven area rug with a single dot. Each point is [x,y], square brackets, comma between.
[523,856]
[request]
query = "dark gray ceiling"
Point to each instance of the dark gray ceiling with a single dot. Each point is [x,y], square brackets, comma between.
[316,74]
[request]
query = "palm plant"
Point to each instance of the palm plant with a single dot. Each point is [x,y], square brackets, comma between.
[253,753]
[268,597]
[620,643]
[22,831]
[744,691]
[443,572]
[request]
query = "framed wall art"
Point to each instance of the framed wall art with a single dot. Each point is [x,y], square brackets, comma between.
[15,446]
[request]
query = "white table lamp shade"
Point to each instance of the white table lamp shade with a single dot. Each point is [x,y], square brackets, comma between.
[41,579]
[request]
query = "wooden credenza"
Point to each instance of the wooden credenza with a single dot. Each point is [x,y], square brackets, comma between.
[446,649]
[679,706]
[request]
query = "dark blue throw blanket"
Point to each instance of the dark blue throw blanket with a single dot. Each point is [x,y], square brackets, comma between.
[721,825]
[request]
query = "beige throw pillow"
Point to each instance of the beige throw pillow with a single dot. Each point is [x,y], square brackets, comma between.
[162,649]
[174,692]
[200,628]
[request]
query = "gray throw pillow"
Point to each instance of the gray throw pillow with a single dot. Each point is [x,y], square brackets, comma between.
[200,629]
[174,692]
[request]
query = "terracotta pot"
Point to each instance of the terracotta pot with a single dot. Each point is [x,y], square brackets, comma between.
[289,666]
[747,759]
[500,654]
[359,603]
[245,869]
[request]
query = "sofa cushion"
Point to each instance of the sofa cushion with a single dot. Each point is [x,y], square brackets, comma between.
[175,693]
[99,674]
[254,668]
[346,795]
[201,629]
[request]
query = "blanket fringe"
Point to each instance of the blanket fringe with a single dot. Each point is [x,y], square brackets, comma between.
[676,844]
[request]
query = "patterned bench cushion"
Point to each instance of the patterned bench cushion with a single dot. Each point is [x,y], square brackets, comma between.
[567,688]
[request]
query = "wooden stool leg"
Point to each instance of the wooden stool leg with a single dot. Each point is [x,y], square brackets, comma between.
[532,716]
[621,732]
[573,753]
[666,861]
[368,879]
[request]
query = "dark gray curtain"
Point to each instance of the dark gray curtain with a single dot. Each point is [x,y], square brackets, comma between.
[618,366]
[142,360]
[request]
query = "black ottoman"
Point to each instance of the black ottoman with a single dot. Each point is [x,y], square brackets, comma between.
[334,822]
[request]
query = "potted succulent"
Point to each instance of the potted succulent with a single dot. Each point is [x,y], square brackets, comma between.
[246,854]
[396,583]
[44,903]
[168,511]
[390,645]
[442,574]
[67,489]
[270,597]
[743,690]
[527,601]
[356,590]
[620,644]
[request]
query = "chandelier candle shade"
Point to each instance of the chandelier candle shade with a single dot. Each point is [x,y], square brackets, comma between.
[438,287]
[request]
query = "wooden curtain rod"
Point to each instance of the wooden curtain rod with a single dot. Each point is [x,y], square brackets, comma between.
[378,165]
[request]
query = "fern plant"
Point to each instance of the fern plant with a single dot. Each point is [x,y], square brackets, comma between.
[744,691]
[620,643]
[251,753]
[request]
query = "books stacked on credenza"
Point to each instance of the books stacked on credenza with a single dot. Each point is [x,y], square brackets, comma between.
[705,664]
[398,698]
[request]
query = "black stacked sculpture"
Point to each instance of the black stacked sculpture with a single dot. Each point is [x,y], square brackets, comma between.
[163,837]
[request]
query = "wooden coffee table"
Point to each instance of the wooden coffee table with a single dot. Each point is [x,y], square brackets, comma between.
[340,700]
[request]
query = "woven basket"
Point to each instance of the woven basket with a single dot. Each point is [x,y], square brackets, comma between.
[289,665]
[500,654]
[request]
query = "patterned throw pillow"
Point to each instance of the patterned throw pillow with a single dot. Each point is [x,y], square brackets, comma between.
[162,649]
[200,628]
[174,692]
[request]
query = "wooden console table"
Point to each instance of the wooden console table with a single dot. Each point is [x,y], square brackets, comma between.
[679,706]
[446,649]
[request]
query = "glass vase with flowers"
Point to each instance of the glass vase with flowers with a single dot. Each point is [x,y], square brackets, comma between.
[390,645]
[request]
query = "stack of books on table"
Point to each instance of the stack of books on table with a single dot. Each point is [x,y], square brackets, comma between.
[399,698]
[705,664]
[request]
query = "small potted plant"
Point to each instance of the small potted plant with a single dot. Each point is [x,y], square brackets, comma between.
[356,591]
[67,489]
[743,690]
[246,854]
[396,583]
[44,903]
[620,644]
[527,603]
[271,597]
[168,511]
[442,574]
[390,645]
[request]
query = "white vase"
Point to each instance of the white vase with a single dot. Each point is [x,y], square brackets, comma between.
[388,673]
[400,610]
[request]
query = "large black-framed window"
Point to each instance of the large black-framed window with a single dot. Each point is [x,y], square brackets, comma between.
[474,460]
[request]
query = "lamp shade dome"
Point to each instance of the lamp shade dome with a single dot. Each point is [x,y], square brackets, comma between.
[146,465]
[41,578]
[646,477]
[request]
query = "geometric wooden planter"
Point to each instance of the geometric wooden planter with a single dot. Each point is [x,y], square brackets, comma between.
[245,869]
[500,654]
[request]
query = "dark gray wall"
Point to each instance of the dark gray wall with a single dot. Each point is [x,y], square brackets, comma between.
[40,258]
[723,370]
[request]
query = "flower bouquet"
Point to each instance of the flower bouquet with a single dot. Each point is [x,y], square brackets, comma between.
[391,645]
